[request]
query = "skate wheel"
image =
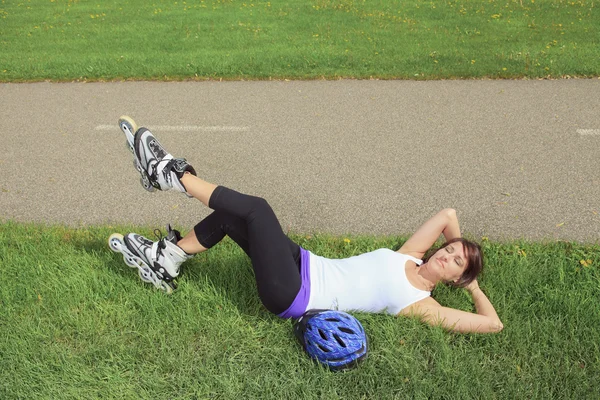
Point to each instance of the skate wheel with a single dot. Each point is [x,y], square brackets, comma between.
[145,275]
[130,261]
[166,287]
[115,241]
[128,125]
[129,146]
[146,183]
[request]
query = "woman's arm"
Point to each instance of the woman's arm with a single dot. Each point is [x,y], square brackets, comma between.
[484,321]
[444,222]
[482,303]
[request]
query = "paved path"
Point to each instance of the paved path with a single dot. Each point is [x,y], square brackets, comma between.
[517,159]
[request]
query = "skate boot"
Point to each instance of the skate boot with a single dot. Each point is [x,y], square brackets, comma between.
[158,169]
[157,262]
[129,127]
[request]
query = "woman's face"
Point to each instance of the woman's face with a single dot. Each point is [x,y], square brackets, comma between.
[449,262]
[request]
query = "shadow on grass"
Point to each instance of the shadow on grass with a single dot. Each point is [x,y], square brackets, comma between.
[225,270]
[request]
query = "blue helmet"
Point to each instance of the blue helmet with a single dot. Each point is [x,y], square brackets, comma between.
[333,338]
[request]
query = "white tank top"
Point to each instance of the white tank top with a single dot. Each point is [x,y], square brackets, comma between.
[372,282]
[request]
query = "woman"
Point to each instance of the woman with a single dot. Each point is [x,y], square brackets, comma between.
[291,280]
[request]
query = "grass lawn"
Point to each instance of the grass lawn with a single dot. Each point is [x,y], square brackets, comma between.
[212,39]
[76,323]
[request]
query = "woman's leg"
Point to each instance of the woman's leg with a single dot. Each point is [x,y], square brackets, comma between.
[251,223]
[215,224]
[198,188]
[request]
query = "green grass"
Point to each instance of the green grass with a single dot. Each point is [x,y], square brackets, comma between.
[76,323]
[297,39]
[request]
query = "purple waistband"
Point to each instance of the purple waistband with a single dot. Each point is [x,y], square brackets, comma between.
[298,306]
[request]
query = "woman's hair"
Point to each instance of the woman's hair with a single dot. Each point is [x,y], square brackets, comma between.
[474,260]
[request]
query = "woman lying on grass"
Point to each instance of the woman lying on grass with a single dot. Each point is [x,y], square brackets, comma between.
[292,280]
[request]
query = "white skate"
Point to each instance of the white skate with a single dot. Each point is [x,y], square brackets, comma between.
[158,169]
[157,262]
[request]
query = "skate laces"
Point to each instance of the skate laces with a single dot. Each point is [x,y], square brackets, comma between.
[160,244]
[158,234]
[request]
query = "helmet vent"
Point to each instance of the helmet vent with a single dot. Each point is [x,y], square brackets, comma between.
[332,320]
[346,330]
[339,340]
[322,334]
[323,349]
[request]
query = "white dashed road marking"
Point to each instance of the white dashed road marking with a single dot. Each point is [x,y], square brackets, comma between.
[588,132]
[185,128]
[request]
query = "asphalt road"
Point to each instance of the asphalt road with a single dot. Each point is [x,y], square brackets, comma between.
[516,159]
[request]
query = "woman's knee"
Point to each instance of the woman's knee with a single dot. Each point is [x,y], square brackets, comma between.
[260,203]
[260,207]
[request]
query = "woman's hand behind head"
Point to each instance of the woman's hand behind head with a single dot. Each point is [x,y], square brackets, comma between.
[472,285]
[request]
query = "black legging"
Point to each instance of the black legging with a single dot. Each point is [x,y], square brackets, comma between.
[252,224]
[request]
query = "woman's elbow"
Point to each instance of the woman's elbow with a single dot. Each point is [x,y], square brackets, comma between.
[497,326]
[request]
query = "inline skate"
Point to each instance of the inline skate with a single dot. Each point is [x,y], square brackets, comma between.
[158,169]
[157,262]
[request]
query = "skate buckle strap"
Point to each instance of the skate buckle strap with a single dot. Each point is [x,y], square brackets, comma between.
[157,248]
[159,167]
[179,165]
[154,250]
